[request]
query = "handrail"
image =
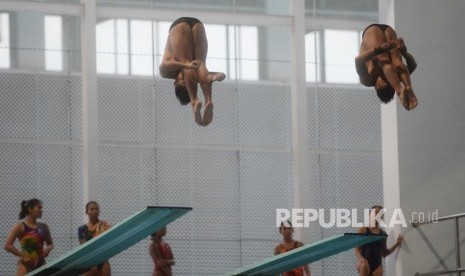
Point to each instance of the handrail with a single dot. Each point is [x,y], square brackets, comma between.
[458,269]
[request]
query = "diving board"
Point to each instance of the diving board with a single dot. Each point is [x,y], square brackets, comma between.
[113,241]
[307,254]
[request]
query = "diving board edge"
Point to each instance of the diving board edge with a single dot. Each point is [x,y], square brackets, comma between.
[307,254]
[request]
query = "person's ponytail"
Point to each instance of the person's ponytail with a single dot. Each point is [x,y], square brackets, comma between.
[23,212]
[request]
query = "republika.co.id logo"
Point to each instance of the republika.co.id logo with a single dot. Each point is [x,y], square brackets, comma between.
[348,217]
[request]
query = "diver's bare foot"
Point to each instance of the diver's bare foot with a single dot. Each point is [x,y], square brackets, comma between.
[403,98]
[207,114]
[216,76]
[196,106]
[411,98]
[408,98]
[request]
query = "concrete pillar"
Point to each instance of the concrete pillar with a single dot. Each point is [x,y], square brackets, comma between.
[299,112]
[89,101]
[390,157]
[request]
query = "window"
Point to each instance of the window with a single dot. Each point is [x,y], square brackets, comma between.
[217,48]
[113,47]
[4,41]
[312,57]
[125,47]
[243,52]
[341,47]
[141,47]
[248,53]
[106,44]
[122,46]
[53,26]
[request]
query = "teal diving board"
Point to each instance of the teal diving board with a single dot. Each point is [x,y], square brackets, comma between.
[307,254]
[113,241]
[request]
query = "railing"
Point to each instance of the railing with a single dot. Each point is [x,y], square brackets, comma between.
[458,268]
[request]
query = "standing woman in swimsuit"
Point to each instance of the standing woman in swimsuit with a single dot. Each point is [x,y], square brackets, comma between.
[184,61]
[370,255]
[91,229]
[380,64]
[32,236]
[161,254]
[287,244]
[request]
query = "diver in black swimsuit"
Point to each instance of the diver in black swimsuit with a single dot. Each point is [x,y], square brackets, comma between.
[379,64]
[184,61]
[372,251]
[370,255]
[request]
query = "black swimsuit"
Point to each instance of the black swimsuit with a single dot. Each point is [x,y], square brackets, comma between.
[383,27]
[372,251]
[189,20]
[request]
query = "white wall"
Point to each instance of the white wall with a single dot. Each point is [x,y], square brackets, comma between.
[432,137]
